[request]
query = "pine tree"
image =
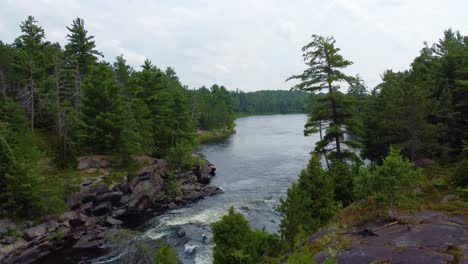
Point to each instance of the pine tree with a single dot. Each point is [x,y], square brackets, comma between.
[399,115]
[103,112]
[309,203]
[81,55]
[30,64]
[122,71]
[324,72]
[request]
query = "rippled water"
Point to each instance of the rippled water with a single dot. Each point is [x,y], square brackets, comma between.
[255,167]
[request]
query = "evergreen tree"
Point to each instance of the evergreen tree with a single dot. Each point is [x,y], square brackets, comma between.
[81,55]
[324,72]
[122,71]
[309,203]
[105,126]
[236,242]
[399,114]
[30,64]
[390,183]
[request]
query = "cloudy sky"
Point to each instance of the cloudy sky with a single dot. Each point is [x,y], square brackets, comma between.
[246,44]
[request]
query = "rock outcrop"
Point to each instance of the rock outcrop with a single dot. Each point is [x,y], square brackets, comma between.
[97,208]
[418,238]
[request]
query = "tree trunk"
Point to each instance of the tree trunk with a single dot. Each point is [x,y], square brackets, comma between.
[4,85]
[31,83]
[323,149]
[335,113]
[57,86]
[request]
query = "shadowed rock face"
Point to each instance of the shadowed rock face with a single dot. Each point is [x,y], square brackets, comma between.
[428,239]
[97,208]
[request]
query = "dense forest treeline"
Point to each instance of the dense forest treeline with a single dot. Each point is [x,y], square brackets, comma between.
[269,102]
[58,103]
[413,117]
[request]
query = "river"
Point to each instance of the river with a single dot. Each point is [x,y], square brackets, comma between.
[255,167]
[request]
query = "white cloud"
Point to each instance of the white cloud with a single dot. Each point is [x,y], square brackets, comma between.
[246,44]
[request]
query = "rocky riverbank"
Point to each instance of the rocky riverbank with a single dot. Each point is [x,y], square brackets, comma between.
[98,209]
[410,237]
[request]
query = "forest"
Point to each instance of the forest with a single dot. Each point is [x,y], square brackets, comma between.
[270,102]
[413,117]
[60,103]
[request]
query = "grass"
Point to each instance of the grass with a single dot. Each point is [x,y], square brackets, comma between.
[358,214]
[212,135]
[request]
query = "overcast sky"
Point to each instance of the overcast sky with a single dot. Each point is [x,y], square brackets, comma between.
[246,44]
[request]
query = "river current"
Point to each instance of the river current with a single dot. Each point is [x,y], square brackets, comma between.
[255,167]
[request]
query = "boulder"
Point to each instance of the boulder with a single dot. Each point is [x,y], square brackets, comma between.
[204,173]
[172,206]
[95,161]
[144,159]
[74,218]
[39,230]
[6,225]
[92,239]
[145,192]
[75,200]
[113,222]
[190,250]
[181,233]
[162,164]
[119,212]
[146,170]
[102,209]
[113,197]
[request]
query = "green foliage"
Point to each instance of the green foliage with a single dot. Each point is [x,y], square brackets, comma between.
[334,111]
[268,102]
[26,190]
[390,183]
[300,257]
[173,186]
[165,255]
[107,124]
[309,203]
[460,177]
[212,108]
[236,242]
[399,114]
[342,175]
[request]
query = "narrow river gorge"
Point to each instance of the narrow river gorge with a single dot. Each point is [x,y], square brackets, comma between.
[255,167]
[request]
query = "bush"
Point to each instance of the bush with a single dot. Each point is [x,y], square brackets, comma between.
[236,242]
[173,186]
[300,257]
[460,177]
[309,203]
[25,186]
[391,183]
[342,175]
[165,255]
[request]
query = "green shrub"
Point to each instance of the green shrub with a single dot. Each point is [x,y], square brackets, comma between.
[460,177]
[236,242]
[309,203]
[300,257]
[390,183]
[165,255]
[173,186]
[342,175]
